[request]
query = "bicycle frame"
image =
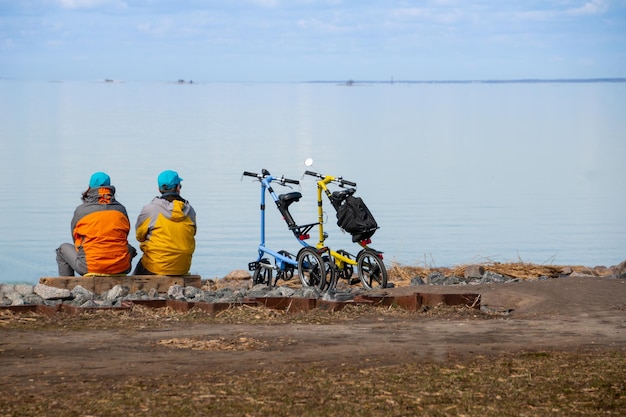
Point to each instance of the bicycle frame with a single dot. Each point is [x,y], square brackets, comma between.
[370,268]
[322,187]
[308,259]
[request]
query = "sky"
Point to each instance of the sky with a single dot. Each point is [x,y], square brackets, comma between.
[311,40]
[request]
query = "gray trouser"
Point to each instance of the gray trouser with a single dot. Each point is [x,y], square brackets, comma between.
[70,261]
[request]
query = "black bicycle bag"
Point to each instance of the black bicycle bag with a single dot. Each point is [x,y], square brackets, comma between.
[354,217]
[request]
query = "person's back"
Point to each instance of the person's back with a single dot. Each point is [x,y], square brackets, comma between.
[166,230]
[100,228]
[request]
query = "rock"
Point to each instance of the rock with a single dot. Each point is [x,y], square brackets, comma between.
[24,289]
[237,275]
[309,292]
[81,291]
[454,280]
[191,293]
[474,272]
[332,295]
[81,295]
[138,295]
[33,299]
[6,289]
[416,281]
[436,278]
[600,270]
[12,295]
[116,292]
[281,292]
[176,292]
[52,293]
[491,277]
[91,304]
[260,288]
[582,274]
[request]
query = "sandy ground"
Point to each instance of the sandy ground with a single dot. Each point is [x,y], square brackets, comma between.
[569,314]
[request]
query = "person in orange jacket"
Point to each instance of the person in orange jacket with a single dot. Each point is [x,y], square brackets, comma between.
[100,228]
[166,229]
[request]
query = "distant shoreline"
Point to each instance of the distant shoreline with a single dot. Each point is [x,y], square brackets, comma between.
[350,82]
[505,81]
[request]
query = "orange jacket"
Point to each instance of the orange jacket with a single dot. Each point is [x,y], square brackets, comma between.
[100,228]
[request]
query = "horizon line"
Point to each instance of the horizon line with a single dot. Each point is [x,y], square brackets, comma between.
[357,81]
[487,81]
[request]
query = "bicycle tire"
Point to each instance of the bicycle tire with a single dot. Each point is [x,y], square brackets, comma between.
[331,273]
[371,269]
[312,269]
[262,275]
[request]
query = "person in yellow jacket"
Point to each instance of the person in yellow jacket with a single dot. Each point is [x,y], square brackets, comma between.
[100,228]
[166,230]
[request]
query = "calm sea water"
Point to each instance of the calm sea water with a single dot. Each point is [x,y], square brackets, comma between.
[454,173]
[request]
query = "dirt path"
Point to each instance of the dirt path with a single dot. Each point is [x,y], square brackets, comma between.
[570,314]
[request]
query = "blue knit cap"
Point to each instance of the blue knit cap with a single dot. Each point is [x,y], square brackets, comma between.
[99,179]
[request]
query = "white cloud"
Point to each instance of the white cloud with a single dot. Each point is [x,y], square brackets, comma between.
[155,29]
[91,4]
[6,43]
[591,7]
[265,3]
[404,33]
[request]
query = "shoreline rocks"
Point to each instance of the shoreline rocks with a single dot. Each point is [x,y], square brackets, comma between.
[238,287]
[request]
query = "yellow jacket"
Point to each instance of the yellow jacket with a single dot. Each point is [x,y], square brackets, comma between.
[166,231]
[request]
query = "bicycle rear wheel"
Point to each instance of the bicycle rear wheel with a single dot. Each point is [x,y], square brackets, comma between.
[371,269]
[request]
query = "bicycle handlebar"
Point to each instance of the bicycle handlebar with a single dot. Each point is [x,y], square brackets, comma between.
[282,180]
[339,180]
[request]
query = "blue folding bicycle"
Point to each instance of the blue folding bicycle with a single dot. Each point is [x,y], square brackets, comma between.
[314,265]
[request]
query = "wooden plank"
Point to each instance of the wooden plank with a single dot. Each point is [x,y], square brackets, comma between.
[290,305]
[100,284]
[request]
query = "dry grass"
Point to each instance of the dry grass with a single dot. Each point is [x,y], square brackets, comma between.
[538,383]
[524,384]
[402,274]
[144,317]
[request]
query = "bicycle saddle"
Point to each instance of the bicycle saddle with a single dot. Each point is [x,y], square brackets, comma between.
[289,198]
[343,194]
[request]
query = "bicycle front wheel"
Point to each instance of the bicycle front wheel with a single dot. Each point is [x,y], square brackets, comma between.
[312,269]
[262,273]
[371,269]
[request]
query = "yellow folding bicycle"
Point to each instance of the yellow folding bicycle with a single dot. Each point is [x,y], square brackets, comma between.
[354,218]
